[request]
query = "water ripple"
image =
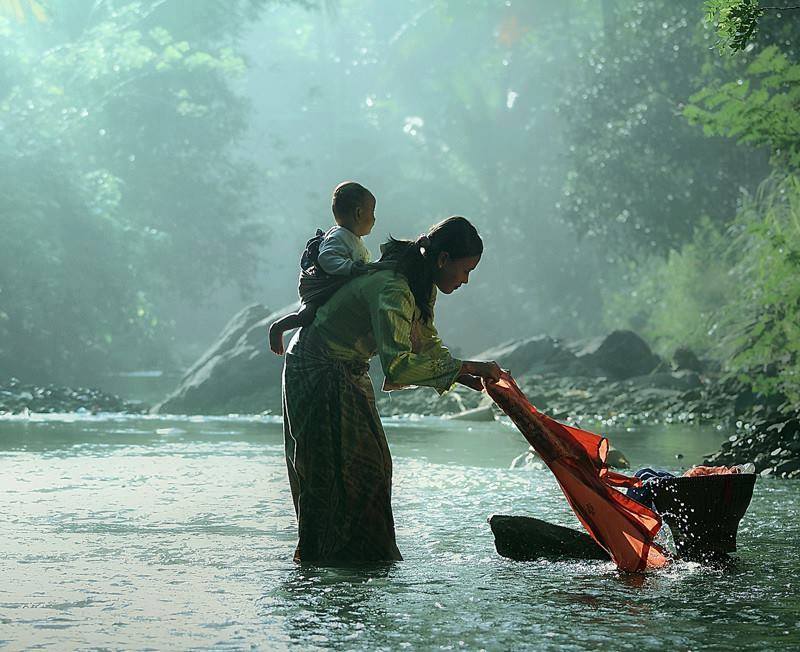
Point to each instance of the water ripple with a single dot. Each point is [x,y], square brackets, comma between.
[179,533]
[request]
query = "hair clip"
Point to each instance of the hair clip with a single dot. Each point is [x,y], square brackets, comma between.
[423,242]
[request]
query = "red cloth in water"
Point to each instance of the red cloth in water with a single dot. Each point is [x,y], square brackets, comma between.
[620,525]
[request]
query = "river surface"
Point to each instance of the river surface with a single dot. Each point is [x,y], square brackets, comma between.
[152,533]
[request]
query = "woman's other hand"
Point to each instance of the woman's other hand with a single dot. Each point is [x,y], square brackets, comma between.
[489,370]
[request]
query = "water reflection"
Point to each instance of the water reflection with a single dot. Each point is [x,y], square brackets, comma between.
[316,603]
[136,538]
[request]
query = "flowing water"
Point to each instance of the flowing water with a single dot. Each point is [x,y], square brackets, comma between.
[135,533]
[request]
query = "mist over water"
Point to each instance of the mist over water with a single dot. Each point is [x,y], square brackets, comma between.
[391,97]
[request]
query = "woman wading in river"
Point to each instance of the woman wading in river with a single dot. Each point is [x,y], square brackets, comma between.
[340,468]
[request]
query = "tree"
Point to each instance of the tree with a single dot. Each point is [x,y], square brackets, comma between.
[736,21]
[121,187]
[760,109]
[640,177]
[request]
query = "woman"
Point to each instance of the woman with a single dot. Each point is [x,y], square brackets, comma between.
[340,469]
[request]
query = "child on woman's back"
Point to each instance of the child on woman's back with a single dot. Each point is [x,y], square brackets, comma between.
[341,255]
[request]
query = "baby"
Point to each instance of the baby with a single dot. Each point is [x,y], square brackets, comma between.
[331,259]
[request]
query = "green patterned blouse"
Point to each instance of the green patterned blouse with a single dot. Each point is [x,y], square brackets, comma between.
[376,313]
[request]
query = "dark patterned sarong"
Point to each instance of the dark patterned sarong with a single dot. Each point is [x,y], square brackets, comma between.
[340,468]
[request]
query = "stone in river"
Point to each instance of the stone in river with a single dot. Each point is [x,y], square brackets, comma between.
[616,459]
[532,354]
[787,467]
[525,538]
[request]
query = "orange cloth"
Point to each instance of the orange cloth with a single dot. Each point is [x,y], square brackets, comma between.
[577,458]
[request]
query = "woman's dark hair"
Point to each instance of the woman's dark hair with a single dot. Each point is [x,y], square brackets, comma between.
[416,259]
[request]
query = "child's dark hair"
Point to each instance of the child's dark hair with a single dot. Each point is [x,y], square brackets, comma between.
[347,197]
[416,259]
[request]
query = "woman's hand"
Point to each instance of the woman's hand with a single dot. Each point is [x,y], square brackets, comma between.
[489,369]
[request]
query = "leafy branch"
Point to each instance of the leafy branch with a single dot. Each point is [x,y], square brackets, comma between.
[736,21]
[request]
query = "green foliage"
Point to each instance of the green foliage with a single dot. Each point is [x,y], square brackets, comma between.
[763,322]
[762,108]
[734,294]
[120,191]
[735,21]
[640,177]
[676,300]
[740,24]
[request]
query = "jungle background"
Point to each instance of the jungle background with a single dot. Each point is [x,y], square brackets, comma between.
[630,165]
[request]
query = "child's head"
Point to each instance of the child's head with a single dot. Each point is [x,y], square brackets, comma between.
[353,207]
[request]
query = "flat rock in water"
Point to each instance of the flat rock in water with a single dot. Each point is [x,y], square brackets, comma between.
[525,538]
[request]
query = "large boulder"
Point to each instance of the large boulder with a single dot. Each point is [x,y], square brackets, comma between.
[539,354]
[238,373]
[621,354]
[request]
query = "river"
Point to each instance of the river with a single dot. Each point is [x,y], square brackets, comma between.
[158,532]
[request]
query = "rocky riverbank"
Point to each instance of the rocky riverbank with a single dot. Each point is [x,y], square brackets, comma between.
[22,398]
[684,390]
[612,381]
[770,438]
[677,397]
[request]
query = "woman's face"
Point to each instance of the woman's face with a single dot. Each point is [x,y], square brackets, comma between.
[452,273]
